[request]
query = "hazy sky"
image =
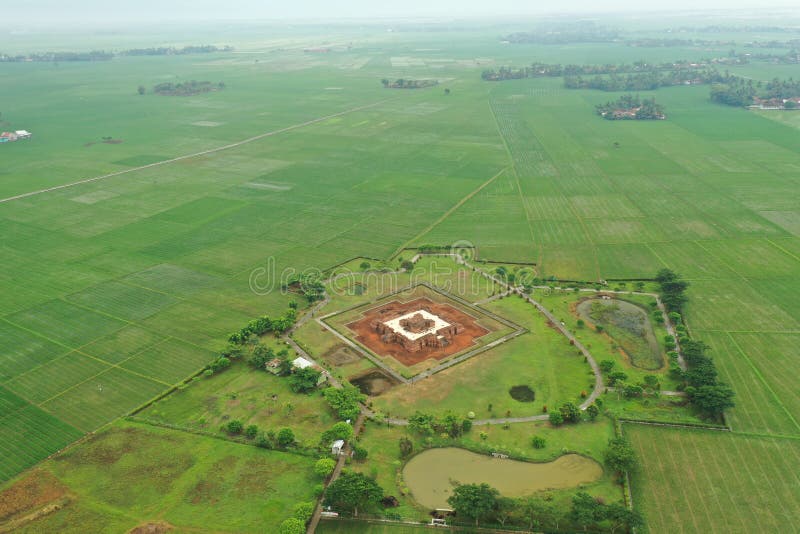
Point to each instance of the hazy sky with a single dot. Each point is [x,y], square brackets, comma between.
[48,11]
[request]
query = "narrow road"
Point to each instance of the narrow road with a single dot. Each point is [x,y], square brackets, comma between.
[194,155]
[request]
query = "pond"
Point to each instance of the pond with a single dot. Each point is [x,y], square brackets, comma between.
[629,326]
[432,474]
[373,383]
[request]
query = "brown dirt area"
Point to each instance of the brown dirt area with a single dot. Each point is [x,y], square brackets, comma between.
[341,355]
[34,491]
[158,527]
[372,340]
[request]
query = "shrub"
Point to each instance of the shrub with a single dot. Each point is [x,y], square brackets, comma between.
[263,441]
[556,419]
[292,525]
[324,467]
[303,511]
[251,431]
[538,442]
[234,427]
[285,437]
[359,453]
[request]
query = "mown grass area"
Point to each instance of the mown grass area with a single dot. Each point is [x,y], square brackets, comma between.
[254,397]
[705,481]
[130,474]
[542,359]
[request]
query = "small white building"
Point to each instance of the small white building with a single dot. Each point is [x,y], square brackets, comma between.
[337,446]
[23,134]
[301,363]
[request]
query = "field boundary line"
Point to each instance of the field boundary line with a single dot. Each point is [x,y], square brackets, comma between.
[763,380]
[774,244]
[513,166]
[448,213]
[194,155]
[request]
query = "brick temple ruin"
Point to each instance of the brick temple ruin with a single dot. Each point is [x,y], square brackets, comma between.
[417,330]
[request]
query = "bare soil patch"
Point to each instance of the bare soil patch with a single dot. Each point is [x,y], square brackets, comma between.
[157,527]
[34,491]
[341,355]
[373,340]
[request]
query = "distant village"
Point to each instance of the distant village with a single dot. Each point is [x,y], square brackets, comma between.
[18,135]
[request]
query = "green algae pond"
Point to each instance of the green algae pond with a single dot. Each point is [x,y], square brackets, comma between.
[432,474]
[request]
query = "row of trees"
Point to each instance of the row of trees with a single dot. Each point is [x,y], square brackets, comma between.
[192,87]
[263,325]
[174,51]
[481,502]
[737,91]
[709,396]
[449,424]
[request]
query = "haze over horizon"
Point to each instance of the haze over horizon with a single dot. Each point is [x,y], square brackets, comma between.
[33,12]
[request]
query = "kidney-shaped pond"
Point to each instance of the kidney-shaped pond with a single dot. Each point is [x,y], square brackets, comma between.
[432,474]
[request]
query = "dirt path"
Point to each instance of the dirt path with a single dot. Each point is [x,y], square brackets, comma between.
[194,155]
[357,427]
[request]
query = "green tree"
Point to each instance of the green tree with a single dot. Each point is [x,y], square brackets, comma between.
[234,427]
[251,431]
[586,511]
[620,516]
[304,380]
[365,265]
[340,430]
[592,411]
[538,513]
[555,418]
[292,525]
[620,456]
[422,423]
[345,401]
[711,400]
[285,437]
[141,90]
[303,511]
[324,467]
[570,412]
[474,501]
[359,453]
[353,491]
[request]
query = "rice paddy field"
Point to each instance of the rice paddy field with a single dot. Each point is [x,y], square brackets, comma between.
[113,290]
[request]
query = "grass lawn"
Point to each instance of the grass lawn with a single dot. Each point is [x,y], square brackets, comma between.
[252,396]
[130,474]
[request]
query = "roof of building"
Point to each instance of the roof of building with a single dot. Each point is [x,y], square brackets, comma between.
[301,363]
[338,444]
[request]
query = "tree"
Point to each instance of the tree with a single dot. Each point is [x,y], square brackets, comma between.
[251,431]
[292,525]
[345,401]
[303,511]
[505,508]
[352,491]
[359,453]
[340,430]
[324,467]
[538,513]
[556,419]
[592,411]
[620,455]
[711,400]
[364,265]
[141,90]
[447,92]
[585,510]
[466,426]
[304,380]
[607,365]
[616,376]
[422,423]
[285,437]
[406,447]
[234,427]
[474,501]
[570,412]
[619,516]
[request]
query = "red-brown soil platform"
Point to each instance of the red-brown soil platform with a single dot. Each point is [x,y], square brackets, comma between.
[372,339]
